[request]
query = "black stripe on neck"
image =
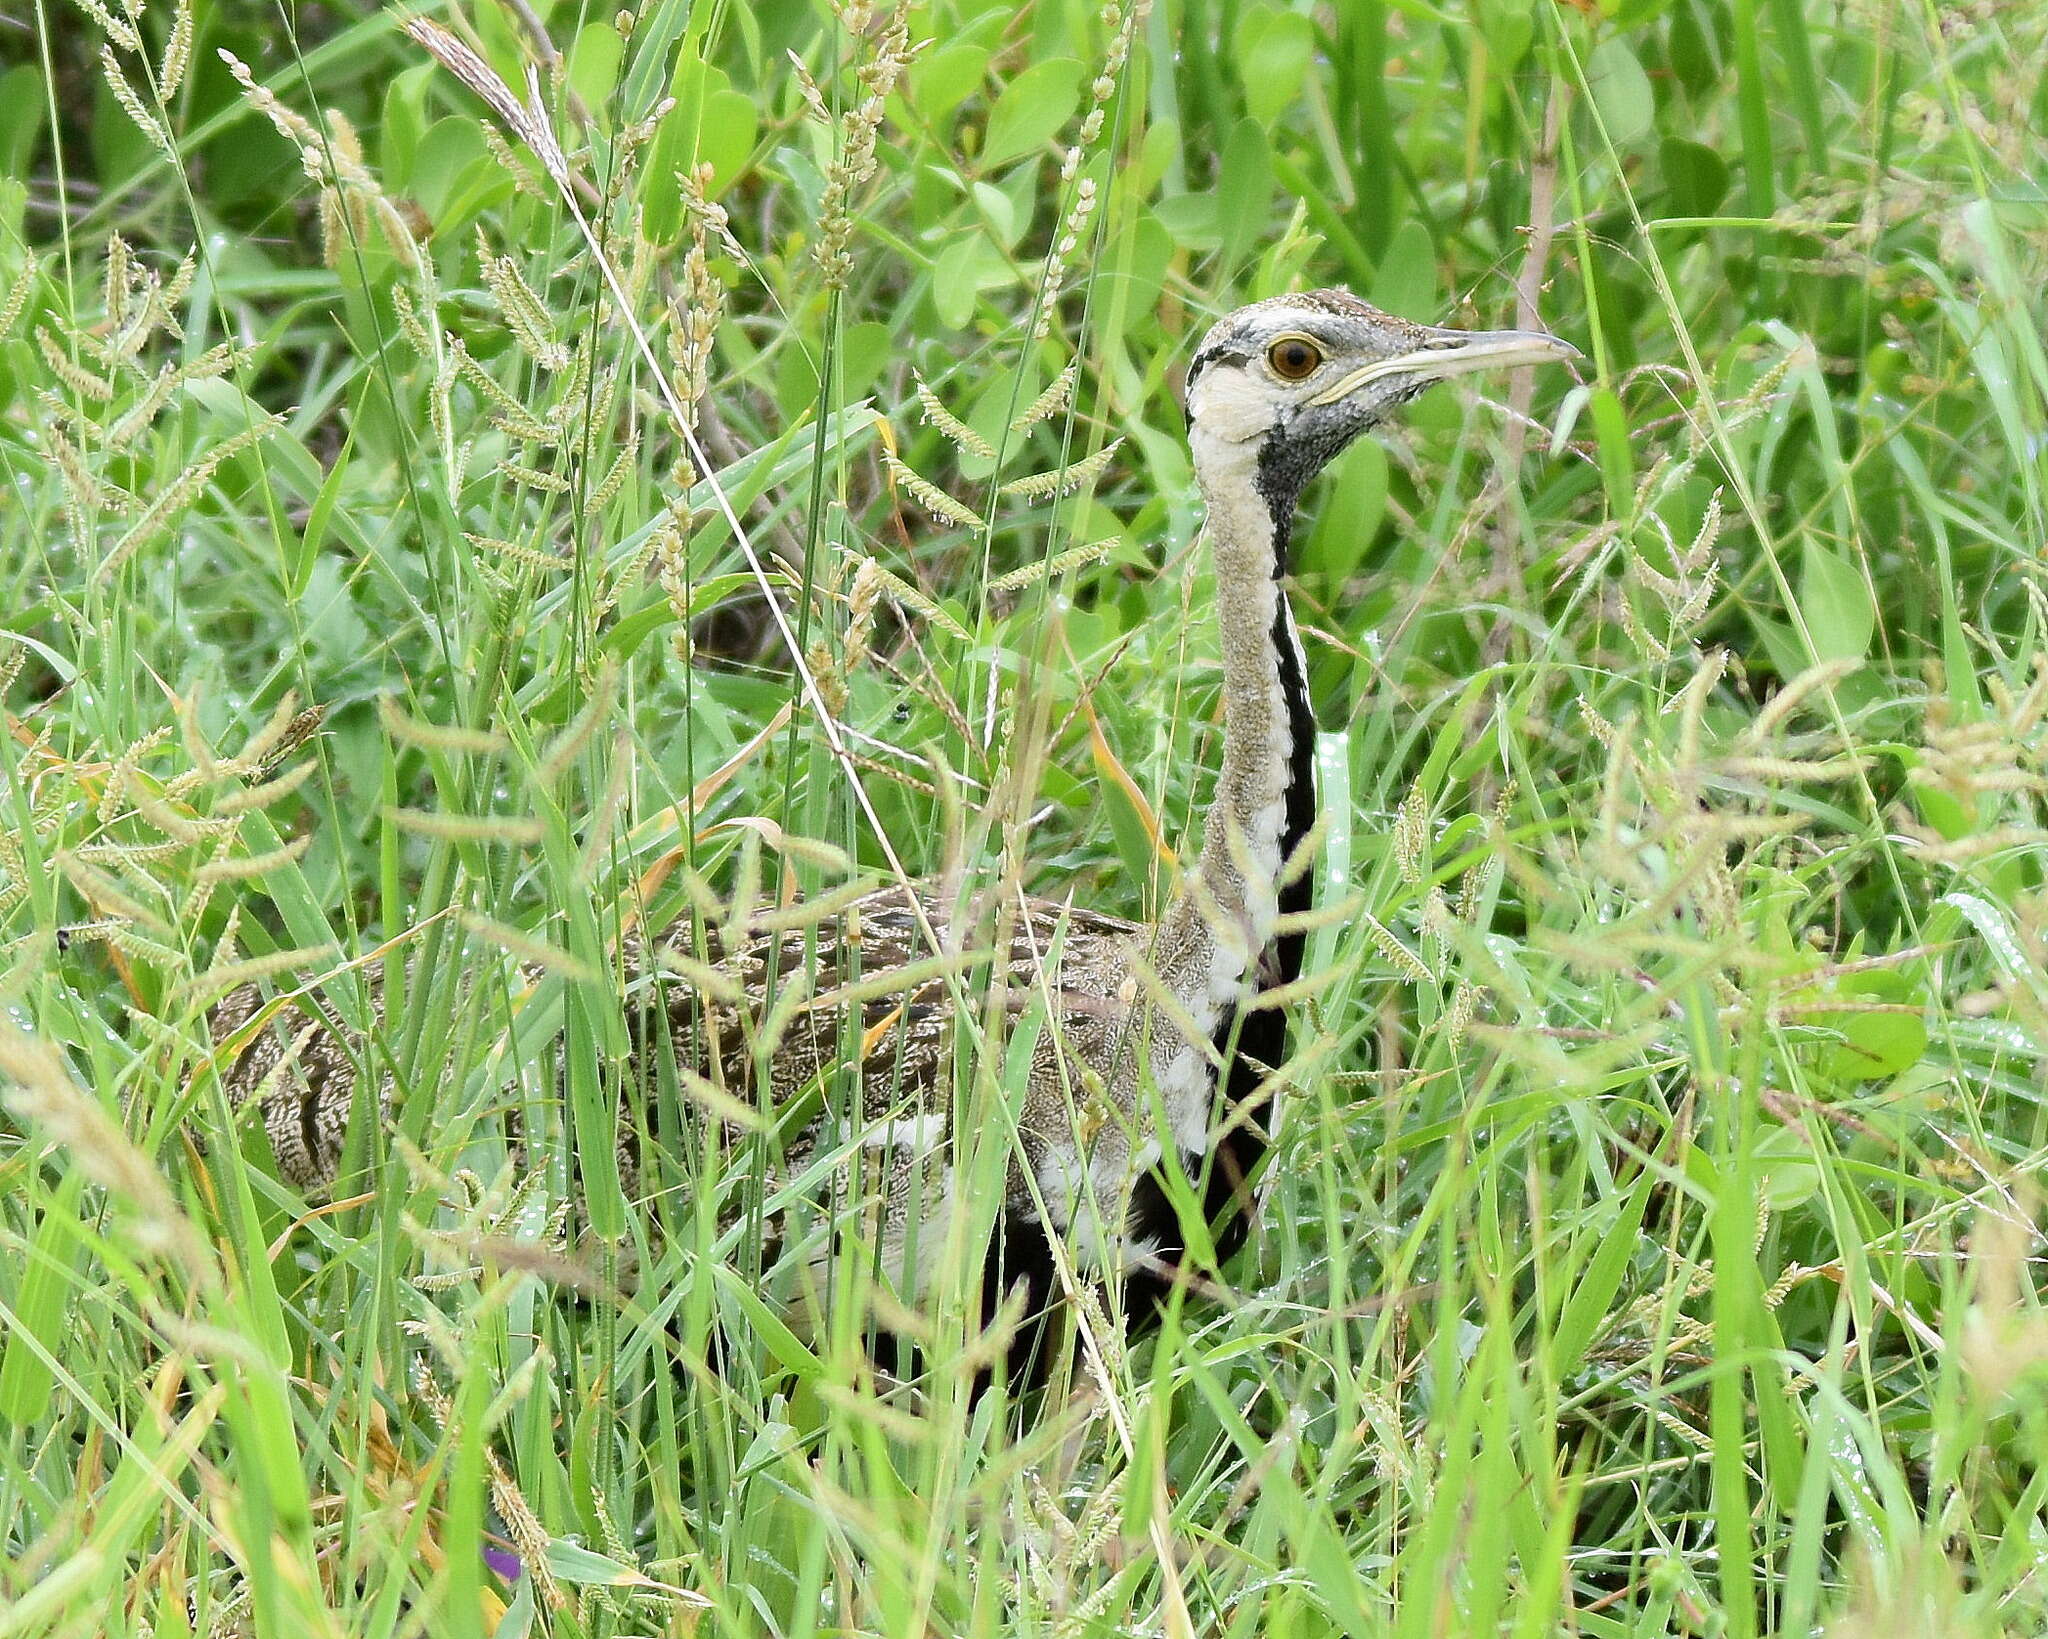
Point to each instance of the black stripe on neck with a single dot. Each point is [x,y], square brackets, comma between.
[1299,894]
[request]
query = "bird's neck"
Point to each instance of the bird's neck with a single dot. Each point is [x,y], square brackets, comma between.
[1265,802]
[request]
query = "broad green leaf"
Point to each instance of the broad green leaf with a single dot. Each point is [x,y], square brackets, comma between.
[1786,1175]
[1000,211]
[1244,189]
[1509,34]
[1275,48]
[119,149]
[1031,109]
[1874,1045]
[1941,811]
[941,81]
[711,124]
[1781,645]
[594,61]
[1406,282]
[1694,175]
[731,120]
[404,123]
[449,153]
[964,269]
[1692,57]
[21,116]
[1836,604]
[1190,219]
[1621,91]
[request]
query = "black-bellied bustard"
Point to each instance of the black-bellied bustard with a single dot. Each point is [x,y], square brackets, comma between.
[1154,1049]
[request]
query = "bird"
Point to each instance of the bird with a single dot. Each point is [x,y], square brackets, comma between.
[1157,1048]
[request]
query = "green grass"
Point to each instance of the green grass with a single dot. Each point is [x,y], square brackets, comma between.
[1651,1245]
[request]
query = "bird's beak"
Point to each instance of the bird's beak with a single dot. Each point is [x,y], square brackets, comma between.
[1454,353]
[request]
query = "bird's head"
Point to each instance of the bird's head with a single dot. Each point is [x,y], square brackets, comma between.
[1288,383]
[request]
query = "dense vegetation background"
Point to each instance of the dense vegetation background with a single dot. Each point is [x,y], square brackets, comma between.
[1651,1246]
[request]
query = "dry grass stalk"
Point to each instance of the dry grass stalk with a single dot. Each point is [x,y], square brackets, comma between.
[526,120]
[1122,22]
[1063,481]
[700,297]
[854,163]
[942,506]
[961,436]
[527,1533]
[1051,402]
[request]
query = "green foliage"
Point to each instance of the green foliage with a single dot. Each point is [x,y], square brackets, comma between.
[1648,1247]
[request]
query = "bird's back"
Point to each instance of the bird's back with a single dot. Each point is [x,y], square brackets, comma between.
[831,1033]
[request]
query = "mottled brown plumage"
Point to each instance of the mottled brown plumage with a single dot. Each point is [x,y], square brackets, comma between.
[299,1069]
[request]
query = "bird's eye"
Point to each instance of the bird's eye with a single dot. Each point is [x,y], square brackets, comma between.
[1294,358]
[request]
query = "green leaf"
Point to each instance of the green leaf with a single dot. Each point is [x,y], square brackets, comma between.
[1688,52]
[594,60]
[119,149]
[1840,615]
[1190,220]
[1244,190]
[784,1347]
[21,117]
[730,123]
[1349,516]
[1786,1175]
[711,124]
[1406,281]
[963,270]
[572,1562]
[1274,49]
[1000,211]
[1591,1305]
[941,82]
[403,124]
[448,153]
[1695,177]
[1033,106]
[1617,452]
[42,1302]
[314,535]
[1781,645]
[1509,34]
[1621,91]
[1874,1046]
[864,352]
